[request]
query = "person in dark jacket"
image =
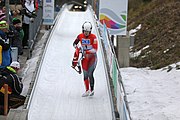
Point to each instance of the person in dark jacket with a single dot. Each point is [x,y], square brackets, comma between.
[28,17]
[4,42]
[17,38]
[9,76]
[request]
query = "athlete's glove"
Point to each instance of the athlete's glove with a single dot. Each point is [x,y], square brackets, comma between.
[75,46]
[74,63]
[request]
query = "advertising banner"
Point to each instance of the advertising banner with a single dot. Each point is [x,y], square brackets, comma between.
[48,12]
[114,14]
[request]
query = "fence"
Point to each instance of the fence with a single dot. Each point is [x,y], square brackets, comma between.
[118,87]
[34,27]
[118,90]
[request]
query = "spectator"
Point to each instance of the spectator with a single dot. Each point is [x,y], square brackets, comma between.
[9,76]
[4,42]
[28,16]
[2,15]
[2,2]
[57,8]
[16,8]
[2,11]
[18,35]
[3,8]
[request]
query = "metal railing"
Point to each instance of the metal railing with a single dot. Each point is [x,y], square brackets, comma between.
[34,28]
[116,83]
[115,75]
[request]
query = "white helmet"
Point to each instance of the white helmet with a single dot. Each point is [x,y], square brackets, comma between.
[15,64]
[87,26]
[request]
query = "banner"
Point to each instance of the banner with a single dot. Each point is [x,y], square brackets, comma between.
[114,14]
[48,12]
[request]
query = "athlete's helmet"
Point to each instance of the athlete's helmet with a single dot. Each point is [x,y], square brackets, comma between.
[87,26]
[15,64]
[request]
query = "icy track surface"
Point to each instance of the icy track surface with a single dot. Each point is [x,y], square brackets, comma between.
[58,91]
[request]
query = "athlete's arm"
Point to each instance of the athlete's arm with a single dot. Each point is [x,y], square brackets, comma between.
[76,41]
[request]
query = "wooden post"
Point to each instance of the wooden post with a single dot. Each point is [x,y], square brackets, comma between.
[5,99]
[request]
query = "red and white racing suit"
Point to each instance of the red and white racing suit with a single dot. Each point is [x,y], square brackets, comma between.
[89,62]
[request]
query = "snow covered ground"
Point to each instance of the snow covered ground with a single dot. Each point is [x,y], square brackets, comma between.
[152,94]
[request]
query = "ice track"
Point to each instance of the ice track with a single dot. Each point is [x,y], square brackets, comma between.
[58,90]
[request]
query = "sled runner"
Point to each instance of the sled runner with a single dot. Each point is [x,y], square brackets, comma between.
[77,68]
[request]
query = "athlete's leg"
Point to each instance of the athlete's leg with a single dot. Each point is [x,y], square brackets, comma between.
[91,71]
[85,68]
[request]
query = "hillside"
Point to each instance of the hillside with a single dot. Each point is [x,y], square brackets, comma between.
[160,32]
